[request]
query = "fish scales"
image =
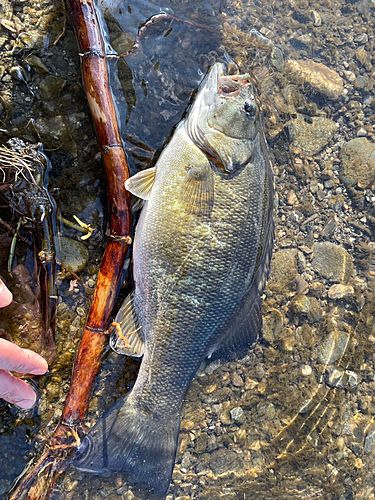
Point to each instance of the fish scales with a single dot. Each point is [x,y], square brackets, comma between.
[201,257]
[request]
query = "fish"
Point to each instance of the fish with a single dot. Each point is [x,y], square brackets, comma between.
[201,257]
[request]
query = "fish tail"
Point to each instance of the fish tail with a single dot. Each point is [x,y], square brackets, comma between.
[140,443]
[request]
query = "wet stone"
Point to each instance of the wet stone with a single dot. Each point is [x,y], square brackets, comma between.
[300,304]
[237,414]
[319,77]
[336,378]
[332,262]
[272,325]
[313,135]
[74,255]
[51,87]
[283,271]
[201,443]
[358,163]
[340,292]
[223,460]
[333,347]
[369,442]
[316,312]
[237,380]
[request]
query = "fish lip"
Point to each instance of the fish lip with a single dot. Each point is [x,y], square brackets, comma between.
[232,85]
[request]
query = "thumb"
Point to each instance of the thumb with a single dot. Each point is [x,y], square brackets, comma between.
[6,296]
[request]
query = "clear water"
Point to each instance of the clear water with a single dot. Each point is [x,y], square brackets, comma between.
[281,423]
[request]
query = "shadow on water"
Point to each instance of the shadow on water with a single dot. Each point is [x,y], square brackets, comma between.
[294,418]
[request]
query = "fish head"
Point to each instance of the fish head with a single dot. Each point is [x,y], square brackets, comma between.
[224,120]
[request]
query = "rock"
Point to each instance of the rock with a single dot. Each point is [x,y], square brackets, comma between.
[187,425]
[201,443]
[283,271]
[300,304]
[74,255]
[237,380]
[51,87]
[237,414]
[358,163]
[272,325]
[333,347]
[36,63]
[52,130]
[291,197]
[316,312]
[369,441]
[225,461]
[317,76]
[332,262]
[311,137]
[306,370]
[336,378]
[340,292]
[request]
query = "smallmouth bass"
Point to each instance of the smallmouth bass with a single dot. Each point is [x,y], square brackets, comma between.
[201,257]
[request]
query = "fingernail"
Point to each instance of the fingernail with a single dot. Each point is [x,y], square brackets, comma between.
[6,296]
[26,404]
[38,371]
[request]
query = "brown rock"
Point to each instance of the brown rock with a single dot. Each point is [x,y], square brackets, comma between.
[319,77]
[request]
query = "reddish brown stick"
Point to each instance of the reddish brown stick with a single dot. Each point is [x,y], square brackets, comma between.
[39,481]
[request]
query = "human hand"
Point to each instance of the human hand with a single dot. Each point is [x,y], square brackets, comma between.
[14,358]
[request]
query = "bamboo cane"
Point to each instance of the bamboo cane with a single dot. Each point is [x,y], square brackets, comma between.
[40,479]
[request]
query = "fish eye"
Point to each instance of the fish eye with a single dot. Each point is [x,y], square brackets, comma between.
[249,108]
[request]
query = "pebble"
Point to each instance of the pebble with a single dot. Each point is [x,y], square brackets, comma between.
[237,380]
[300,304]
[332,262]
[358,163]
[291,197]
[272,326]
[361,132]
[306,370]
[312,137]
[318,76]
[51,87]
[224,460]
[237,414]
[283,271]
[333,347]
[74,255]
[317,20]
[369,441]
[340,291]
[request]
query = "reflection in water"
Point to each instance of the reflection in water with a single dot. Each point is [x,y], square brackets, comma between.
[294,418]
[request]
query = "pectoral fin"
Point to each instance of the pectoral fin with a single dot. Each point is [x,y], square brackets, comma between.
[141,183]
[198,189]
[127,337]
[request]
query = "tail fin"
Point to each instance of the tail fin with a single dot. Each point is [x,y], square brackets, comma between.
[130,440]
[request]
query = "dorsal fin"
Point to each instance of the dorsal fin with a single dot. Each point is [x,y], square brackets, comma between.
[141,183]
[127,335]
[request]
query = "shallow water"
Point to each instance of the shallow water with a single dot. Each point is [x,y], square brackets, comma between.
[294,419]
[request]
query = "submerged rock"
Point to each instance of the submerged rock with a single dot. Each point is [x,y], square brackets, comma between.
[358,163]
[317,76]
[332,262]
[74,255]
[313,135]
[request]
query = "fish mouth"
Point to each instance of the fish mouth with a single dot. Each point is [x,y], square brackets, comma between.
[226,85]
[232,85]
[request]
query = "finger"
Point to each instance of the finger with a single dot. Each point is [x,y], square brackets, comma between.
[15,359]
[6,296]
[16,391]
